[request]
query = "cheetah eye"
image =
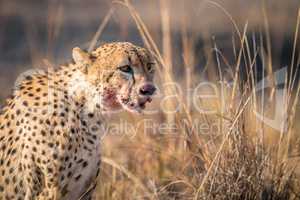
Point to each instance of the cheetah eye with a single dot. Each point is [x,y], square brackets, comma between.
[126,69]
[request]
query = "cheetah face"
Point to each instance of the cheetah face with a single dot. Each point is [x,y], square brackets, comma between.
[123,74]
[134,83]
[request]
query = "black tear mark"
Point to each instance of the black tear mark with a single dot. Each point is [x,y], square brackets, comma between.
[109,76]
[129,59]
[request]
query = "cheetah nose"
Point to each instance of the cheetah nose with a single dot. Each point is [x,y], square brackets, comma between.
[147,89]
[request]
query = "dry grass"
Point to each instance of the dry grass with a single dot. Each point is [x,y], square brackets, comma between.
[233,155]
[238,162]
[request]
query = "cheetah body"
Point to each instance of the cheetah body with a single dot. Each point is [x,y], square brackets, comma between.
[51,129]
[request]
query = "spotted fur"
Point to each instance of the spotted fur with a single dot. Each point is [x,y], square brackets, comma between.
[50,129]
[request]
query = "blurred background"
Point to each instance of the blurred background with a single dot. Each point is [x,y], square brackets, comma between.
[31,31]
[235,41]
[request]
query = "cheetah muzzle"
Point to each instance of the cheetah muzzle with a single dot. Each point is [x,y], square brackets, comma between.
[50,130]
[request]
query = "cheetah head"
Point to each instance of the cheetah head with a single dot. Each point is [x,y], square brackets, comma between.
[122,74]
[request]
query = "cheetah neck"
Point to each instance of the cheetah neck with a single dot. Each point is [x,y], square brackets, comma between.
[84,98]
[86,95]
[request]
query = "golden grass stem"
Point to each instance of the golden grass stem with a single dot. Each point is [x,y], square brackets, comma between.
[237,67]
[269,49]
[293,79]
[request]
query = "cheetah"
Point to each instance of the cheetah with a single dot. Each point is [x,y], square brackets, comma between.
[50,129]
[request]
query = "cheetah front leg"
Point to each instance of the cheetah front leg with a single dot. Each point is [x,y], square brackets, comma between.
[46,194]
[56,194]
[49,194]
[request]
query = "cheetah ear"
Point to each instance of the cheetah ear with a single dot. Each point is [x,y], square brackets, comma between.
[81,57]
